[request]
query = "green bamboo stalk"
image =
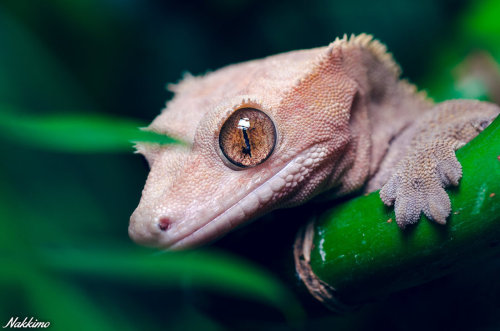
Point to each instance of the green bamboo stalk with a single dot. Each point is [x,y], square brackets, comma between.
[355,251]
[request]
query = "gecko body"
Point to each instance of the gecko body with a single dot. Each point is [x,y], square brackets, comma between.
[276,132]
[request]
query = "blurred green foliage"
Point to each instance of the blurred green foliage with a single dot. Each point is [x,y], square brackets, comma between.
[64,251]
[77,132]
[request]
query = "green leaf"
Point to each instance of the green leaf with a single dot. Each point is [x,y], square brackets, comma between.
[212,270]
[77,133]
[69,308]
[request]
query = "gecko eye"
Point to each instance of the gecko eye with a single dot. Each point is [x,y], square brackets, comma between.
[247,138]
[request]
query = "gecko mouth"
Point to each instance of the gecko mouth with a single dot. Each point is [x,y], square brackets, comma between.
[245,208]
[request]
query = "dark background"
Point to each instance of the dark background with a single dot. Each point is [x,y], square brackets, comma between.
[113,57]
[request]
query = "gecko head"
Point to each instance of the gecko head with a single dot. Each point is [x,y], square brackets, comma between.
[260,139]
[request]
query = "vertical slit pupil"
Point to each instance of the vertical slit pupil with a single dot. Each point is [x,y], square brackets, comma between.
[246,148]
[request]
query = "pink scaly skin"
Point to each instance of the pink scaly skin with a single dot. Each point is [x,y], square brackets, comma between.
[331,120]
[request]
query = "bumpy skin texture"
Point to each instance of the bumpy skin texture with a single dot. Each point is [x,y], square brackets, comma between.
[430,164]
[344,121]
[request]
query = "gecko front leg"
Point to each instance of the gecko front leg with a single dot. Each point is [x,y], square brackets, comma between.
[430,165]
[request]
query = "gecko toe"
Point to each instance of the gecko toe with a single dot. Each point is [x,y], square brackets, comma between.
[407,211]
[388,191]
[449,170]
[438,206]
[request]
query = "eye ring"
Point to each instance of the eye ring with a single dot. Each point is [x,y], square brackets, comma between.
[247,138]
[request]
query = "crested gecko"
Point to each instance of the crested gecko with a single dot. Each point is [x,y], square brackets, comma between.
[278,131]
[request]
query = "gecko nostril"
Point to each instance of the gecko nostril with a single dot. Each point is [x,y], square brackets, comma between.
[164,224]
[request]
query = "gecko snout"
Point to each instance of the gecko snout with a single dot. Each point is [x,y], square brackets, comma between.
[155,229]
[145,232]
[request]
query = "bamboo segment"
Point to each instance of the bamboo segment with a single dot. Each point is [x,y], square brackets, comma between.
[355,252]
